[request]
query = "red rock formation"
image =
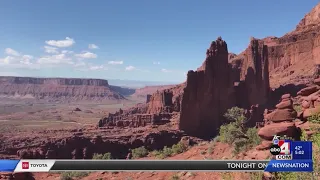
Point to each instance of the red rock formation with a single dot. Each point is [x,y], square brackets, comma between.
[143,92]
[58,88]
[294,57]
[279,122]
[166,100]
[208,93]
[160,102]
[251,69]
[82,145]
[217,86]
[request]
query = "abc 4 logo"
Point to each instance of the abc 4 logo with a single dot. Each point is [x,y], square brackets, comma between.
[282,148]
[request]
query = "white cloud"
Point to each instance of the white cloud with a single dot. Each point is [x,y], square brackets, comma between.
[51,50]
[93,46]
[61,43]
[130,68]
[115,62]
[55,59]
[8,60]
[80,64]
[165,70]
[86,55]
[11,52]
[18,62]
[96,67]
[66,52]
[26,59]
[156,62]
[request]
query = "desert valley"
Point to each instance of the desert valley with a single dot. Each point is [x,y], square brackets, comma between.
[275,82]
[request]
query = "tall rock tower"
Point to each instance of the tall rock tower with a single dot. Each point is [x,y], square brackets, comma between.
[217,86]
[208,93]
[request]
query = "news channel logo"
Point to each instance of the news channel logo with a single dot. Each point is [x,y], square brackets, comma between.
[281,148]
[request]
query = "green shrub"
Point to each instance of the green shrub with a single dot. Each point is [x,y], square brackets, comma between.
[157,154]
[314,118]
[179,148]
[240,145]
[97,156]
[254,138]
[227,176]
[235,114]
[167,152]
[304,135]
[102,156]
[73,175]
[139,152]
[175,177]
[233,132]
[297,108]
[229,132]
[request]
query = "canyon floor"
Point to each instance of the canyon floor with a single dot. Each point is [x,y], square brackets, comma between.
[23,115]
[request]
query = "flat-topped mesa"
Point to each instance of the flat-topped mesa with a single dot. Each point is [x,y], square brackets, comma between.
[54,81]
[59,89]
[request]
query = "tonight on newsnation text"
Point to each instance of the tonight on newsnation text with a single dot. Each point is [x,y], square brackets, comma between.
[140,165]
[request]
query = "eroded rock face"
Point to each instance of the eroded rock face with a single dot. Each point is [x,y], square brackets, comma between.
[83,147]
[165,100]
[58,88]
[160,102]
[253,74]
[217,86]
[293,58]
[208,93]
[279,122]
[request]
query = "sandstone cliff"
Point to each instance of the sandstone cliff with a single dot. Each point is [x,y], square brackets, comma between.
[166,100]
[294,58]
[61,89]
[148,90]
[218,85]
[250,69]
[208,93]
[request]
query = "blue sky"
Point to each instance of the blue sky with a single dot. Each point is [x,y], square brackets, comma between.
[149,40]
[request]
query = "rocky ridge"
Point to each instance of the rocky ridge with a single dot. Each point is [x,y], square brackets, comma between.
[219,85]
[83,143]
[294,57]
[285,120]
[215,87]
[58,89]
[279,122]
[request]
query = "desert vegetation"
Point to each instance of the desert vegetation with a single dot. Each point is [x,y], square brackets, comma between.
[102,156]
[235,134]
[170,151]
[139,152]
[73,175]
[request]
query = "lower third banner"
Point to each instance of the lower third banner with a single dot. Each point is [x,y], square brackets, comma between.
[154,165]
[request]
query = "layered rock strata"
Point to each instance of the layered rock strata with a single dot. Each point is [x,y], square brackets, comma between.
[279,122]
[217,86]
[58,88]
